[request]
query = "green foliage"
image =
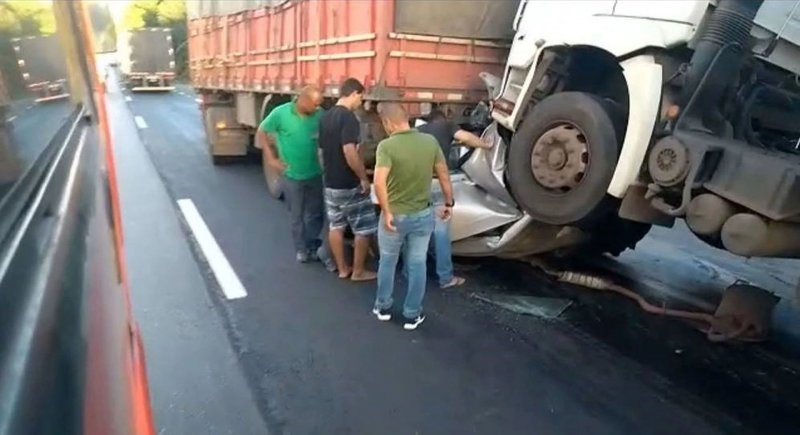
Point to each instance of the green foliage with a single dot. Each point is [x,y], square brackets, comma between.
[20,18]
[154,13]
[26,18]
[161,13]
[103,29]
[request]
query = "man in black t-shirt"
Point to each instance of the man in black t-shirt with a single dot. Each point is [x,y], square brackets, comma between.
[347,189]
[446,132]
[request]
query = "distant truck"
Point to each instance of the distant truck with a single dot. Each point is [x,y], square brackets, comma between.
[147,59]
[5,100]
[42,66]
[10,166]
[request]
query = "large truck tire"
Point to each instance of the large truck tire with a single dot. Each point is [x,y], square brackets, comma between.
[273,180]
[562,158]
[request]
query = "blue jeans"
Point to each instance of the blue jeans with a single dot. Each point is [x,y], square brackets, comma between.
[324,250]
[411,238]
[443,252]
[306,208]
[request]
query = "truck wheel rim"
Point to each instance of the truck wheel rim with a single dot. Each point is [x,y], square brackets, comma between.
[560,157]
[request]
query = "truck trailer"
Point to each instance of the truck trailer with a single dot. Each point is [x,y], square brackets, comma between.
[247,57]
[42,66]
[147,59]
[607,116]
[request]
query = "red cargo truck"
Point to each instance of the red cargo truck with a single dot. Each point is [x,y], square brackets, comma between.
[246,57]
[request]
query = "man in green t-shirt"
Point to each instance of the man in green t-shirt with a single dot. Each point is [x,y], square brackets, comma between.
[405,164]
[294,128]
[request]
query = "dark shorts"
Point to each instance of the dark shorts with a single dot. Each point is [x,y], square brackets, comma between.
[351,207]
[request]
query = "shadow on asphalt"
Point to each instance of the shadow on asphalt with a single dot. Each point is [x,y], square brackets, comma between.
[757,383]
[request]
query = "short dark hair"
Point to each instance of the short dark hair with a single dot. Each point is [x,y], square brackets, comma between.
[436,115]
[393,112]
[351,85]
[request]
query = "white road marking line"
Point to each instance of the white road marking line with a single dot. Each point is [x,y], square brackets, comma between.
[140,122]
[128,98]
[11,119]
[223,272]
[198,100]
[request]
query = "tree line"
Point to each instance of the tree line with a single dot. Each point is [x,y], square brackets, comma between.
[162,13]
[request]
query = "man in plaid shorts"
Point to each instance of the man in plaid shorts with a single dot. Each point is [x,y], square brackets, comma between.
[347,188]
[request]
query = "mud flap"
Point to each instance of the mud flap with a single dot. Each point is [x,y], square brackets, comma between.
[225,136]
[744,314]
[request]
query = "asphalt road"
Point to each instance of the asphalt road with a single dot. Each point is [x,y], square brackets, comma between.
[312,359]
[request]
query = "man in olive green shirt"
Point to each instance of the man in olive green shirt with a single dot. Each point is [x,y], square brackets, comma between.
[294,128]
[405,164]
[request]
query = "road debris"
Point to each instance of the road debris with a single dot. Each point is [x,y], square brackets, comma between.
[544,307]
[743,314]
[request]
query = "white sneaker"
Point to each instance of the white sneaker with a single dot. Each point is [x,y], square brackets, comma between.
[412,324]
[382,315]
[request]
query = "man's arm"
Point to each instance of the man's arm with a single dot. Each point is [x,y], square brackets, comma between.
[355,163]
[381,190]
[443,175]
[383,165]
[267,142]
[349,139]
[265,138]
[470,140]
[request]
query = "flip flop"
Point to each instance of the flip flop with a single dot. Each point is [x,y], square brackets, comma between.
[367,276]
[455,282]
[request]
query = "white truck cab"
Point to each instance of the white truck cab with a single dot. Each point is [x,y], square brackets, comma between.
[656,110]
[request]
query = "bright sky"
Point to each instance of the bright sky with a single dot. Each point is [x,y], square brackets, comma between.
[117,8]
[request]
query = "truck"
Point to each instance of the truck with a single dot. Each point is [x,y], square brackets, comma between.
[607,116]
[10,166]
[5,100]
[147,59]
[42,67]
[247,57]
